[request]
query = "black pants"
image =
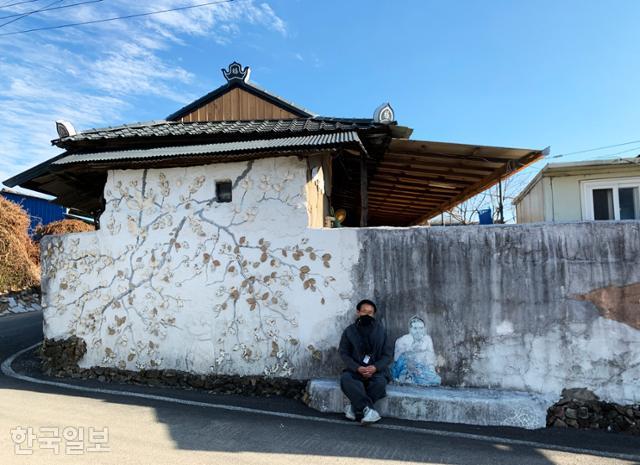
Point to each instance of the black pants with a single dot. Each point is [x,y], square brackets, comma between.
[363,392]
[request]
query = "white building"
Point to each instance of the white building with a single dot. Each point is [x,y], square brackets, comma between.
[582,191]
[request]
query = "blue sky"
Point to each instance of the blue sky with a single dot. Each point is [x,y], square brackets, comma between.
[509,73]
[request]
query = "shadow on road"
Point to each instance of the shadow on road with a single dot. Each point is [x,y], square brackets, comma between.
[198,428]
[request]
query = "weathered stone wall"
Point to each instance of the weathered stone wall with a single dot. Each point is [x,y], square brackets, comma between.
[535,308]
[60,358]
[175,280]
[581,408]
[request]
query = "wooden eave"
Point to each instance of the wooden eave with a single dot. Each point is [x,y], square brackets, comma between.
[413,181]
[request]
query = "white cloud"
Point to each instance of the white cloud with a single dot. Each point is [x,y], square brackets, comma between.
[266,16]
[94,75]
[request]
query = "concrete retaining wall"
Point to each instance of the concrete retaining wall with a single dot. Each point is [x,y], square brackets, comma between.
[531,308]
[177,280]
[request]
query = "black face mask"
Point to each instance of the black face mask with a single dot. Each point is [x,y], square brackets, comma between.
[365,321]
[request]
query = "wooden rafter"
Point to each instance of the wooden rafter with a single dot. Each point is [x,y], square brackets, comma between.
[421,179]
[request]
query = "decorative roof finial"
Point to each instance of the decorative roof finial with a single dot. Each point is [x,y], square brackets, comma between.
[235,71]
[384,114]
[65,129]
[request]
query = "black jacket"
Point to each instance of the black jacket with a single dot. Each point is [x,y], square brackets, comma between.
[352,349]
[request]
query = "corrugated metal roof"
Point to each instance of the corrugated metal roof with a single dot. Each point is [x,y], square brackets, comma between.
[315,140]
[173,128]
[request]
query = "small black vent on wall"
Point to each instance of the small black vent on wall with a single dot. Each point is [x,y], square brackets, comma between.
[223,191]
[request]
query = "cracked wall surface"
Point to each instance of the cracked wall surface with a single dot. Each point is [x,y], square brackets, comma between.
[500,302]
[176,280]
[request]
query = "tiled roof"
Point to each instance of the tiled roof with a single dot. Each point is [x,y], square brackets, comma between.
[256,146]
[171,128]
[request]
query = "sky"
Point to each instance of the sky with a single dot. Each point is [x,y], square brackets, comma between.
[563,74]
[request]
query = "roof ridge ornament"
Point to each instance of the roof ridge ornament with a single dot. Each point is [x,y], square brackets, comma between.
[65,129]
[384,114]
[235,72]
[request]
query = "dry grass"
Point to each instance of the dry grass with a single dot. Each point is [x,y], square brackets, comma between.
[62,227]
[59,227]
[18,254]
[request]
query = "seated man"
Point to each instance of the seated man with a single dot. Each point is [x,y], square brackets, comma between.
[367,354]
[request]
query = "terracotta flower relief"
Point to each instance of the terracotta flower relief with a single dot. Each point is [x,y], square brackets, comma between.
[125,295]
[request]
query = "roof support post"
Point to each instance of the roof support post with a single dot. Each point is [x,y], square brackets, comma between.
[500,202]
[364,196]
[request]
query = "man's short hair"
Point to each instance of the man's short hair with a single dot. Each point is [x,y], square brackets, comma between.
[416,319]
[369,302]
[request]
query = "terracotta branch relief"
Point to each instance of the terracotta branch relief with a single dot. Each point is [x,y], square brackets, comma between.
[177,280]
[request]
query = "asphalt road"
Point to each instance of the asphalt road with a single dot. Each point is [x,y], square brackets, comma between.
[152,431]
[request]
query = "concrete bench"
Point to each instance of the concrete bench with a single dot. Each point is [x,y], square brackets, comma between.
[472,406]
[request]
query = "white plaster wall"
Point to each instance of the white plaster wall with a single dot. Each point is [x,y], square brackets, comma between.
[174,279]
[601,354]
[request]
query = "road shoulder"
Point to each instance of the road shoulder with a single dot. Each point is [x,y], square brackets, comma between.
[24,366]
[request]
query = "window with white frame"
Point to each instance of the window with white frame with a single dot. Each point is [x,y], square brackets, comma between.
[613,199]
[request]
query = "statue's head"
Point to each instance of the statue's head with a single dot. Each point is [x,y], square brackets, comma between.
[417,328]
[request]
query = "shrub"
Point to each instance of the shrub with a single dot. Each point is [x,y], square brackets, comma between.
[18,254]
[62,227]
